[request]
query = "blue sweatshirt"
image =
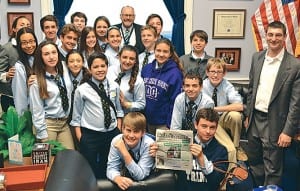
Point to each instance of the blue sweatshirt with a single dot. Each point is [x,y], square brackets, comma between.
[162,86]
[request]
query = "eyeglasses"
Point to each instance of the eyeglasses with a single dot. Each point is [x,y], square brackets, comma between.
[127,15]
[25,43]
[213,72]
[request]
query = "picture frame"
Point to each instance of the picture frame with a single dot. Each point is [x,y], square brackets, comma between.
[11,16]
[231,56]
[19,2]
[229,23]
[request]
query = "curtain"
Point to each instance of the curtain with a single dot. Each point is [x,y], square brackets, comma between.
[61,8]
[176,10]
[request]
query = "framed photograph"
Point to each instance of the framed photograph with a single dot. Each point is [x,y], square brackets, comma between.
[11,16]
[229,23]
[22,2]
[231,56]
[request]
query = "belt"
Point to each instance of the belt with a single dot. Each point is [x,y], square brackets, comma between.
[58,118]
[261,113]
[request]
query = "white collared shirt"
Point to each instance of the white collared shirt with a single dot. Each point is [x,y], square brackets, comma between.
[267,80]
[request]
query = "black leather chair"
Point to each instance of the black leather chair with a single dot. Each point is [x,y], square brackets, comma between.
[70,172]
[161,180]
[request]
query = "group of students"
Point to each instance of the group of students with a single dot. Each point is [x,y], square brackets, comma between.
[80,86]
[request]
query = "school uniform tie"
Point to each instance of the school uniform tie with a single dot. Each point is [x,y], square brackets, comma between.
[124,170]
[126,37]
[133,156]
[214,97]
[106,108]
[146,59]
[190,115]
[120,76]
[75,84]
[62,92]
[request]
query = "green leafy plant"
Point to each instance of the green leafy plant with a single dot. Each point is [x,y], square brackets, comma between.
[21,125]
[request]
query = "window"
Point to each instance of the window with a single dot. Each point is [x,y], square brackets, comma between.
[111,9]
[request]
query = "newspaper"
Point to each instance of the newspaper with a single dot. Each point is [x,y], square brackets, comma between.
[174,149]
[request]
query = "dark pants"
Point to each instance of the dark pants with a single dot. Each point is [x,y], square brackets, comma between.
[264,155]
[6,101]
[94,146]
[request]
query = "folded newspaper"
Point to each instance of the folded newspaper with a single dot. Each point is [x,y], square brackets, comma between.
[174,149]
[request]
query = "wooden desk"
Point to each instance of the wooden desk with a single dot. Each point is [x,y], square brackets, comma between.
[28,161]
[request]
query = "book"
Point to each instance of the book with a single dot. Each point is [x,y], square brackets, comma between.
[41,153]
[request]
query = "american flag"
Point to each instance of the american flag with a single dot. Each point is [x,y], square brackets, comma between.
[286,11]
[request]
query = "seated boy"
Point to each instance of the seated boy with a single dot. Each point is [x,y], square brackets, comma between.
[228,103]
[206,150]
[129,157]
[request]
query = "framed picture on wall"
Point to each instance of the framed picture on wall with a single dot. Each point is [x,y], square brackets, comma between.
[23,2]
[229,23]
[231,56]
[11,16]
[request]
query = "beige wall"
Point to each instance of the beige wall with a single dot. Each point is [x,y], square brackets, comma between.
[203,19]
[34,7]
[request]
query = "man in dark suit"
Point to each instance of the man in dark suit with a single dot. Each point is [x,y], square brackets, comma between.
[273,106]
[130,31]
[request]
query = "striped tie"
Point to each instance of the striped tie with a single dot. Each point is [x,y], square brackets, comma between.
[126,37]
[146,59]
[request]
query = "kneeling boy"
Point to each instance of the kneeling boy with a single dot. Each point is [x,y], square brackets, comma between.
[129,157]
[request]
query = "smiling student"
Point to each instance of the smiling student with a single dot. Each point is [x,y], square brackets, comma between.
[97,114]
[189,102]
[69,35]
[114,45]
[132,96]
[49,26]
[50,96]
[101,24]
[163,81]
[26,46]
[88,43]
[129,157]
[149,37]
[205,150]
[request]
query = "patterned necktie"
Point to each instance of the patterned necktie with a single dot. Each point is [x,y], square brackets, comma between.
[106,108]
[214,97]
[126,37]
[189,116]
[120,76]
[62,92]
[146,59]
[75,84]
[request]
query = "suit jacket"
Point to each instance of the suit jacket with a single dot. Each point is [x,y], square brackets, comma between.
[8,57]
[137,29]
[284,106]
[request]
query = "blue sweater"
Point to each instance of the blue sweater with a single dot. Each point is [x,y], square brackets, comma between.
[162,86]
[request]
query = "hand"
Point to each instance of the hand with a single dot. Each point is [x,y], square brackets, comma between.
[120,145]
[78,133]
[153,149]
[196,150]
[42,140]
[123,182]
[31,79]
[284,140]
[246,122]
[11,73]
[124,102]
